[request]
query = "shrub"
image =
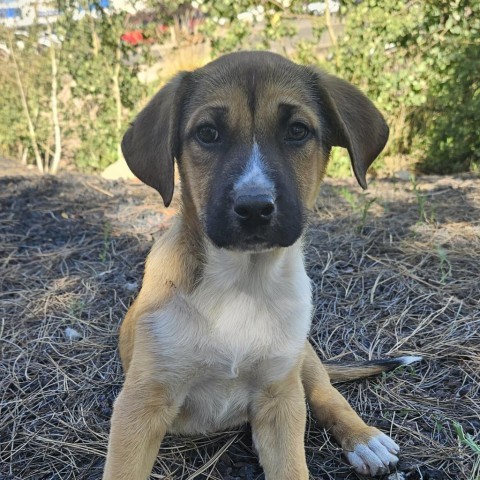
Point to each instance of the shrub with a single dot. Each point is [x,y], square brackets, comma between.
[419,61]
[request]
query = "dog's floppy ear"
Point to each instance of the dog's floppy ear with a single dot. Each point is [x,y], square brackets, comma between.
[152,141]
[356,124]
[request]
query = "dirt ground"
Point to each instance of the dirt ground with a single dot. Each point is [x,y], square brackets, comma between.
[396,272]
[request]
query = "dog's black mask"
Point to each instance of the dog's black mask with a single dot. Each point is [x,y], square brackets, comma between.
[254,203]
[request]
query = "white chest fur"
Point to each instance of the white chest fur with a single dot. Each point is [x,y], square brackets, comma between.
[243,326]
[257,305]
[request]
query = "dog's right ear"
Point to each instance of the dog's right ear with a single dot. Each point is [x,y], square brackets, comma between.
[152,141]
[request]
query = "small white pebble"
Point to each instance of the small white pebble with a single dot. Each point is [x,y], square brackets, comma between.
[72,334]
[397,476]
[131,286]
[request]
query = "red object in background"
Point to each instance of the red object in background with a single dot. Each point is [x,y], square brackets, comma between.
[134,37]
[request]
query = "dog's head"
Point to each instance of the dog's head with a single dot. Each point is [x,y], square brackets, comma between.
[252,133]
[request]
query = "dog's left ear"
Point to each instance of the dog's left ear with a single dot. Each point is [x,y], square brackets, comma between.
[354,123]
[152,141]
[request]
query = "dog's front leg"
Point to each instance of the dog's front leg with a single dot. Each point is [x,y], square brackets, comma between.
[278,417]
[368,450]
[141,416]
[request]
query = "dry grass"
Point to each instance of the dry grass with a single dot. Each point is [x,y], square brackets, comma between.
[187,58]
[398,275]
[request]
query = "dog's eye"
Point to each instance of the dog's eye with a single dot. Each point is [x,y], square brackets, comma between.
[207,134]
[296,131]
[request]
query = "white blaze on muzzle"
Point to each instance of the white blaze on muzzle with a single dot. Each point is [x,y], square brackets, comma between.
[254,180]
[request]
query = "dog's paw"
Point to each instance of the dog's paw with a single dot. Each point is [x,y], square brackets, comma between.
[375,457]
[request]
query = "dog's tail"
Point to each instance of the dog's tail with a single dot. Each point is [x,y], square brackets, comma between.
[344,371]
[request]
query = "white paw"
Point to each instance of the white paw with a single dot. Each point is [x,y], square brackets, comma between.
[375,457]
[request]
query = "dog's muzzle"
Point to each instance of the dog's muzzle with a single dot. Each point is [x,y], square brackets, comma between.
[253,212]
[252,217]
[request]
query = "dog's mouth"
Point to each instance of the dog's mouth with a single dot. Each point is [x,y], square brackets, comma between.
[246,242]
[255,239]
[253,244]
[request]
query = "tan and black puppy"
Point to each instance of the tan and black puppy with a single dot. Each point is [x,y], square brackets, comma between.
[218,333]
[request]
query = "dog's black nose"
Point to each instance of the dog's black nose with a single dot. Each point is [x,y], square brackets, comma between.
[254,209]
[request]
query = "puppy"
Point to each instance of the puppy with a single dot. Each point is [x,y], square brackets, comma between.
[217,336]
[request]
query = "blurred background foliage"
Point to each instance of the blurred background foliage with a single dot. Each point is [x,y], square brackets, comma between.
[71,83]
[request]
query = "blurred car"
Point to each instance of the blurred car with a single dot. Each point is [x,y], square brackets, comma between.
[318,8]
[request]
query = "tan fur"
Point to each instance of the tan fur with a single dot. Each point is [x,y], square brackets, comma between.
[332,411]
[170,266]
[278,428]
[217,337]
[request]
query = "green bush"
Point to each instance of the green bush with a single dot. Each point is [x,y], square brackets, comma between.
[32,66]
[98,89]
[449,41]
[419,61]
[95,60]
